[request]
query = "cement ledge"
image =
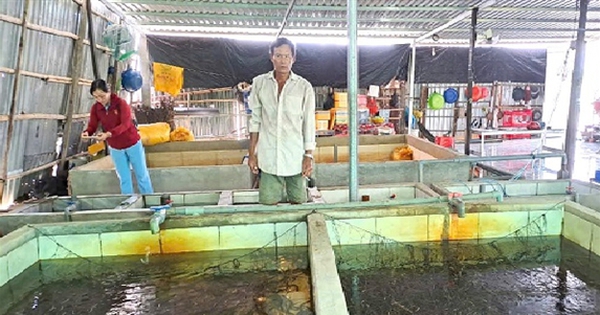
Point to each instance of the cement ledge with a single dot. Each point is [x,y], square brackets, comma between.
[15,239]
[328,296]
[583,212]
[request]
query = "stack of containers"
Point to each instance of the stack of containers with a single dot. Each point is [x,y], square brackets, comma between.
[363,111]
[340,111]
[322,118]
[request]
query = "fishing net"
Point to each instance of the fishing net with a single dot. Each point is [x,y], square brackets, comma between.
[515,274]
[267,280]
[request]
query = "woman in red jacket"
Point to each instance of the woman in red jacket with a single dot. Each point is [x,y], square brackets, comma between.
[126,148]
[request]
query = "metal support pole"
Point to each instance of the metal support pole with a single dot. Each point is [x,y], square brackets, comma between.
[74,93]
[285,18]
[13,109]
[411,85]
[352,97]
[472,40]
[571,135]
[146,73]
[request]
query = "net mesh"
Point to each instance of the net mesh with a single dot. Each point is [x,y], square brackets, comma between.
[513,274]
[271,279]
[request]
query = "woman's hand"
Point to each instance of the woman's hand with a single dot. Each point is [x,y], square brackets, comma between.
[103,136]
[85,135]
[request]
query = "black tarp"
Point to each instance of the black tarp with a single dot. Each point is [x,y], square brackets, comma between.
[449,65]
[215,62]
[212,63]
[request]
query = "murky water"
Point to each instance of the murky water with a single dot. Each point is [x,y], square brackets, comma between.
[266,282]
[520,278]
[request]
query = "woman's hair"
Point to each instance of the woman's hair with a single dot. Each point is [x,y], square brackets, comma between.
[99,84]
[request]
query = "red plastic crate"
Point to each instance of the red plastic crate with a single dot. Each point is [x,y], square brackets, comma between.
[517,118]
[444,141]
[517,136]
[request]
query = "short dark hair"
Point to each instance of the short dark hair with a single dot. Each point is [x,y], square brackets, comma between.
[280,41]
[99,84]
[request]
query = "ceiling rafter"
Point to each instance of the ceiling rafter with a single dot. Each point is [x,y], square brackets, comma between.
[416,19]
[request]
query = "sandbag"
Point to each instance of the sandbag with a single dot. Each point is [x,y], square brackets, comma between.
[153,134]
[182,134]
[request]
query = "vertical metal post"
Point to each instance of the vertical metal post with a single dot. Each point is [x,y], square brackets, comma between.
[411,85]
[146,73]
[573,121]
[352,97]
[13,108]
[472,40]
[74,93]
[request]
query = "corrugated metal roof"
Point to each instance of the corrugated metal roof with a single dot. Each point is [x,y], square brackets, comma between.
[510,19]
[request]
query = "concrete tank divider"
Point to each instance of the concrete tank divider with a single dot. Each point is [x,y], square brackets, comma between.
[217,165]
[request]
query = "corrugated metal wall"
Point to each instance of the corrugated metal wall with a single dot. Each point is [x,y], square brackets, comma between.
[47,53]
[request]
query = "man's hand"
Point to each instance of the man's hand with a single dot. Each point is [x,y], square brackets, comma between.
[85,135]
[307,166]
[253,164]
[103,136]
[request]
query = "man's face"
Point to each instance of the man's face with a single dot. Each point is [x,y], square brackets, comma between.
[282,59]
[101,97]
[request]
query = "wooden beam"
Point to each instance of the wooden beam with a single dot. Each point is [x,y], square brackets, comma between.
[49,30]
[7,70]
[10,19]
[15,99]
[76,71]
[43,116]
[43,167]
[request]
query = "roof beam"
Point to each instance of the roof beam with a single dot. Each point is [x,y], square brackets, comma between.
[258,6]
[455,20]
[386,30]
[237,17]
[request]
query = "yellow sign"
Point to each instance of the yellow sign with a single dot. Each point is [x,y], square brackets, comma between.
[167,78]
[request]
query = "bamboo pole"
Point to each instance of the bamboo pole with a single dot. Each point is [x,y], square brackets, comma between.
[76,70]
[14,101]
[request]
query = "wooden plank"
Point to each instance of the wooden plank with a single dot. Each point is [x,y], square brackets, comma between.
[74,93]
[7,70]
[11,19]
[42,167]
[14,100]
[51,31]
[43,117]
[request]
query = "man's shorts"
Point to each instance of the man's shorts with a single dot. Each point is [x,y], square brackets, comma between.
[271,189]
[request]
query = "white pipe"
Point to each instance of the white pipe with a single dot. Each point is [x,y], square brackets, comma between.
[455,20]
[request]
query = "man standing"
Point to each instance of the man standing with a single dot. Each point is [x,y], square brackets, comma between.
[282,128]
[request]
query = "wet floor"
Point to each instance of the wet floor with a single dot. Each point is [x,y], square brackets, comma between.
[519,283]
[268,283]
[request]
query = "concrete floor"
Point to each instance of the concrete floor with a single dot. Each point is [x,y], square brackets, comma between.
[587,158]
